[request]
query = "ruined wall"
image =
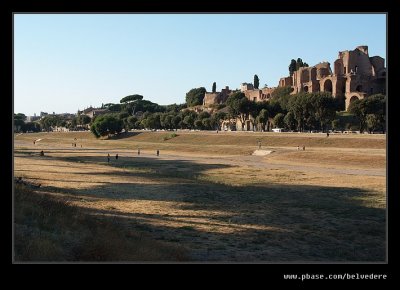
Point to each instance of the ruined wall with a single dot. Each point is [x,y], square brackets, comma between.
[245,87]
[210,99]
[266,93]
[286,81]
[216,98]
[253,95]
[378,64]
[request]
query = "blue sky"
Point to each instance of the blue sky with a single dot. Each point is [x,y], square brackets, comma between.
[66,62]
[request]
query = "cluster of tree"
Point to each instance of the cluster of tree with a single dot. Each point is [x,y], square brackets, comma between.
[295,65]
[21,126]
[134,112]
[195,96]
[114,123]
[370,113]
[298,112]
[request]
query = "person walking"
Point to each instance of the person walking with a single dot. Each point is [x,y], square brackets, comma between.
[138,151]
[108,158]
[116,156]
[304,147]
[158,152]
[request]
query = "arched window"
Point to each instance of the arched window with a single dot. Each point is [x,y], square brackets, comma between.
[328,86]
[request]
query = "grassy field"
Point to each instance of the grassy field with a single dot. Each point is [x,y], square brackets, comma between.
[205,198]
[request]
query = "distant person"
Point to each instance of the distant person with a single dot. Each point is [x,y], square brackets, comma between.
[298,147]
[41,153]
[81,145]
[138,151]
[116,156]
[158,152]
[327,134]
[34,142]
[108,158]
[304,147]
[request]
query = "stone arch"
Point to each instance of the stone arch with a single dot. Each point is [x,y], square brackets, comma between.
[328,86]
[353,98]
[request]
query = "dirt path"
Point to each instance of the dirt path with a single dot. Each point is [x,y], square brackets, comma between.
[262,162]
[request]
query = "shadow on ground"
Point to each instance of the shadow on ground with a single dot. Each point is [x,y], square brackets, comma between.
[221,222]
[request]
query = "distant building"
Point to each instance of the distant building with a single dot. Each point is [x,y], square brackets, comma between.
[32,118]
[245,87]
[92,112]
[217,97]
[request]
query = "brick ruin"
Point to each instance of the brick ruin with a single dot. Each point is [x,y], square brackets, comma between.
[356,75]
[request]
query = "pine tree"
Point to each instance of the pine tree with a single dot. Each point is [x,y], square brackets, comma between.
[256,82]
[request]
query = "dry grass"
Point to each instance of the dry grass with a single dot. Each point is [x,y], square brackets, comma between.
[330,158]
[51,229]
[226,211]
[209,143]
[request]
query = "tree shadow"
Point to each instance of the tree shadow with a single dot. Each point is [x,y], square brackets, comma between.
[123,135]
[223,222]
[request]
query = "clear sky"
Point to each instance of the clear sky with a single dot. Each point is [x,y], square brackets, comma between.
[66,62]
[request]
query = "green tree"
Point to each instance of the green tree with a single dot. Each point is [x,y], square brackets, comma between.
[214,87]
[131,121]
[324,108]
[239,106]
[203,115]
[290,121]
[131,98]
[299,105]
[166,121]
[152,121]
[115,108]
[299,63]
[73,124]
[31,127]
[105,125]
[19,122]
[83,120]
[198,124]
[372,122]
[295,65]
[279,120]
[360,109]
[256,82]
[292,67]
[217,118]
[176,122]
[195,96]
[262,118]
[130,102]
[207,123]
[188,121]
